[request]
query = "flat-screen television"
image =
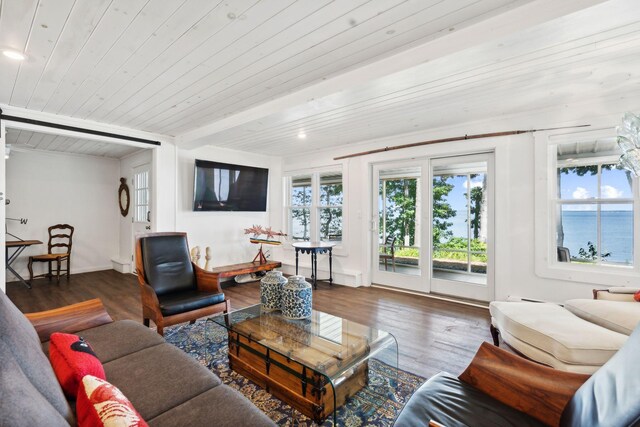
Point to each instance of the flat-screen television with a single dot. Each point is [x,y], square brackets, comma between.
[226,187]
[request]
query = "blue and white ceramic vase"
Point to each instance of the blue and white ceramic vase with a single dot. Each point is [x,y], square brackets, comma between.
[271,287]
[296,298]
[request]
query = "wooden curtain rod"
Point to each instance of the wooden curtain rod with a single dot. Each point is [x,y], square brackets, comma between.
[455,138]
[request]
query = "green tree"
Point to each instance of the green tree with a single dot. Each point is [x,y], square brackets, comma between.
[476,196]
[301,196]
[331,217]
[591,253]
[442,211]
[400,211]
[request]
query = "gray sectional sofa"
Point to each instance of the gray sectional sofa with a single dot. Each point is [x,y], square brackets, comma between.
[165,385]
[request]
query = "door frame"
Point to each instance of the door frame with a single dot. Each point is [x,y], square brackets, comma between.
[136,225]
[463,289]
[403,281]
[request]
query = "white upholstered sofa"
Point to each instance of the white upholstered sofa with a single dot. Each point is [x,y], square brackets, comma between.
[577,337]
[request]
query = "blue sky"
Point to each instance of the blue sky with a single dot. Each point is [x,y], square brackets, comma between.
[614,185]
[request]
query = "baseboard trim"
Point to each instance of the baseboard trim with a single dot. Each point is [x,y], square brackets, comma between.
[352,279]
[12,278]
[435,296]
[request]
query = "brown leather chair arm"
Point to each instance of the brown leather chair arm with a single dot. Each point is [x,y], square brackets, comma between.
[149,297]
[534,389]
[69,319]
[206,280]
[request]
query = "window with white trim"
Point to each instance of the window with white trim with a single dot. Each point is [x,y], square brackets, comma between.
[594,205]
[587,212]
[315,206]
[141,192]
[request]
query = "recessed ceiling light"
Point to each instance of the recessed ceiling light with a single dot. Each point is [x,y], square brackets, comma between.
[302,135]
[14,54]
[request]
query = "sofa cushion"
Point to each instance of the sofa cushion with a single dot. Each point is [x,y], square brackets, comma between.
[450,402]
[22,404]
[557,331]
[618,316]
[101,404]
[72,358]
[118,339]
[222,404]
[159,378]
[181,302]
[22,341]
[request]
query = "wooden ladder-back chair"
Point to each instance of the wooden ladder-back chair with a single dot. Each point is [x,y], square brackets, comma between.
[173,288]
[389,252]
[59,250]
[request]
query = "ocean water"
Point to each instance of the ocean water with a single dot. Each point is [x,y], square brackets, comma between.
[580,227]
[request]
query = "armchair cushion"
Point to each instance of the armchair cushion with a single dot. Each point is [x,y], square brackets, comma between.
[610,396]
[618,316]
[450,402]
[180,302]
[167,263]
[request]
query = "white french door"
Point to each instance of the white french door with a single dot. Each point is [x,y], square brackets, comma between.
[462,224]
[397,232]
[141,206]
[432,225]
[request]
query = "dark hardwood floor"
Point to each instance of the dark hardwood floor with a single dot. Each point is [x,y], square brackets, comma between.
[432,335]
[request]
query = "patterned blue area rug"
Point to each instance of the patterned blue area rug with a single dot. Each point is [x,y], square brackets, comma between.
[207,343]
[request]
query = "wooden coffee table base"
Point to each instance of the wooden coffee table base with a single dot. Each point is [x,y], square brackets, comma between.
[303,388]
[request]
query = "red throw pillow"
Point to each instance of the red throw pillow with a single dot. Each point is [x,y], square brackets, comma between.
[72,358]
[100,403]
[636,296]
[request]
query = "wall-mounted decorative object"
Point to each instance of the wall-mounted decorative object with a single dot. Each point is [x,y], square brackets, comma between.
[256,231]
[271,287]
[123,197]
[297,298]
[629,143]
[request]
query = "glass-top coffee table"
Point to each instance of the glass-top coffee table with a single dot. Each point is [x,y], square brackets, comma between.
[314,365]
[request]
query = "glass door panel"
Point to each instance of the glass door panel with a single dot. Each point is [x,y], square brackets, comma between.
[461,223]
[397,227]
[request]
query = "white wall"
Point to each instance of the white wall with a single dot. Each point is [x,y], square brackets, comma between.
[515,211]
[224,231]
[51,188]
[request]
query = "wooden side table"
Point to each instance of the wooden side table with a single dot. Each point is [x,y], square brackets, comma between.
[315,248]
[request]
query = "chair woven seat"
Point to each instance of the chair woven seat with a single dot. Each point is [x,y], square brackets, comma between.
[50,256]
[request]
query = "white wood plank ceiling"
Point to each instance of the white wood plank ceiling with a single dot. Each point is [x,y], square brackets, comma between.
[28,140]
[172,67]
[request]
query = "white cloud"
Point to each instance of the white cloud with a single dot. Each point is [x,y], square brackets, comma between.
[609,192]
[581,193]
[473,184]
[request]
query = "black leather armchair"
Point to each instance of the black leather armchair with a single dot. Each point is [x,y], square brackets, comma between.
[501,389]
[173,289]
